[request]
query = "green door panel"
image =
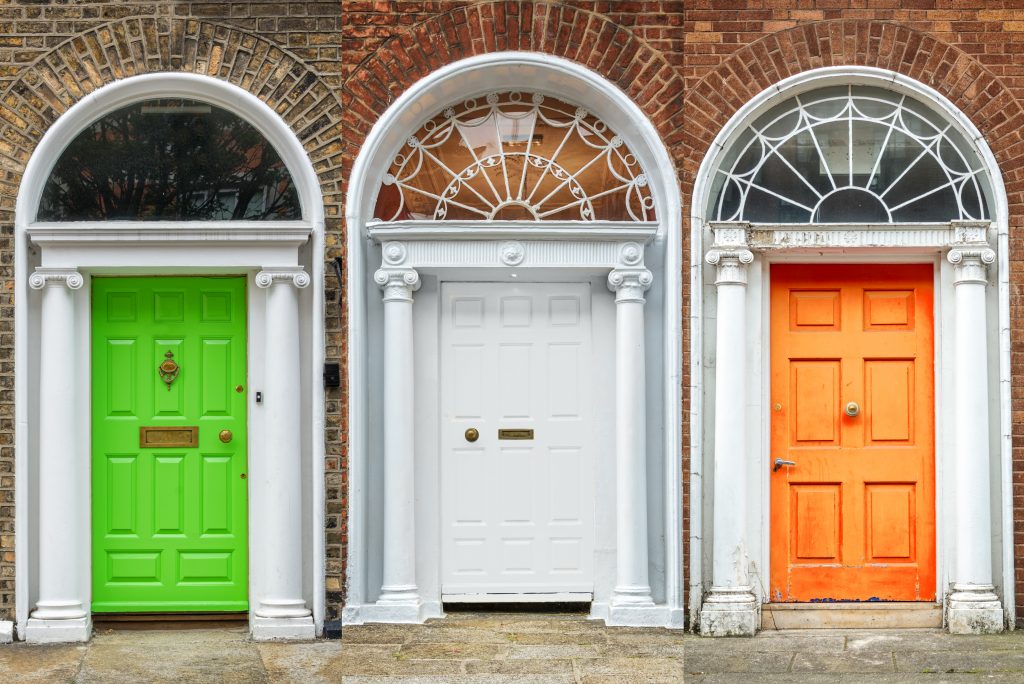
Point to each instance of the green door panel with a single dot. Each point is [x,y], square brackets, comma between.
[169,524]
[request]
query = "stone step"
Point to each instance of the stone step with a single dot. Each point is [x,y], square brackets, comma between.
[873,615]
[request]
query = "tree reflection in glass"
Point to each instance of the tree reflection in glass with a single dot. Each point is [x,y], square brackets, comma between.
[169,160]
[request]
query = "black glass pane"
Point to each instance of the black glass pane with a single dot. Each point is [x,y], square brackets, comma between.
[169,160]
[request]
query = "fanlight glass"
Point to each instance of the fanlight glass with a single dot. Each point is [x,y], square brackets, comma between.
[515,156]
[850,154]
[169,160]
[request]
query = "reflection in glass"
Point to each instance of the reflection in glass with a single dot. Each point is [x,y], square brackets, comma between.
[850,154]
[169,160]
[517,157]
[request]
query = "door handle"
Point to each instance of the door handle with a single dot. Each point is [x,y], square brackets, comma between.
[779,462]
[472,434]
[225,436]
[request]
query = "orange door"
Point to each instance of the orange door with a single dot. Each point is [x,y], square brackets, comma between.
[854,519]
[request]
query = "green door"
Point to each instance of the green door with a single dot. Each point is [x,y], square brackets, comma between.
[169,508]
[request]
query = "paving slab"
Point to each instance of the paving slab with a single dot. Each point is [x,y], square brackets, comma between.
[22,662]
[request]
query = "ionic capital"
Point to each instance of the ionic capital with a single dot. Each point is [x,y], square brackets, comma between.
[970,255]
[294,275]
[730,255]
[56,277]
[629,284]
[398,283]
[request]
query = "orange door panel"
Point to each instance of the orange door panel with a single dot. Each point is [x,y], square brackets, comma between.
[852,405]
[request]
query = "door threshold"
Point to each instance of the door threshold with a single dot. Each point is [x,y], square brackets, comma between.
[853,615]
[141,621]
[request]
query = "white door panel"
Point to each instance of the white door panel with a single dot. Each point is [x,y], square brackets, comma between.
[517,514]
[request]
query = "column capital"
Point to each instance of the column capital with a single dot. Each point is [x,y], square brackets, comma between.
[56,277]
[293,274]
[629,284]
[970,259]
[731,255]
[398,283]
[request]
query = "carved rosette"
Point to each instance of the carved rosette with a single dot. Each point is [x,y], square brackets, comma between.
[730,255]
[629,284]
[56,277]
[512,253]
[296,276]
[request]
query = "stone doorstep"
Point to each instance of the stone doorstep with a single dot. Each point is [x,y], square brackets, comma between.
[863,615]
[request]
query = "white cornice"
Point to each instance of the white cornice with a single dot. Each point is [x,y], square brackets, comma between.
[284,233]
[844,236]
[511,230]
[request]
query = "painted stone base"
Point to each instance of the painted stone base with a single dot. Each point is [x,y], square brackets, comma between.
[408,613]
[652,615]
[6,631]
[974,609]
[729,611]
[281,629]
[58,631]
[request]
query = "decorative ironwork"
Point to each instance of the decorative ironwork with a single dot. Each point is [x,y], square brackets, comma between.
[515,156]
[850,154]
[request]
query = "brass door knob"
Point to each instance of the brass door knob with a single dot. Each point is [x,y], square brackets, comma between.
[472,434]
[852,409]
[225,436]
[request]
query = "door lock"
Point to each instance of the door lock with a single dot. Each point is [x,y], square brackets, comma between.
[852,409]
[779,462]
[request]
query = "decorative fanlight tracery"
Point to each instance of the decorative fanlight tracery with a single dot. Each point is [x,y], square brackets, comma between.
[850,154]
[515,156]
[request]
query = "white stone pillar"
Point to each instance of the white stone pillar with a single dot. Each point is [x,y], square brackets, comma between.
[973,606]
[61,612]
[280,611]
[730,609]
[631,601]
[399,599]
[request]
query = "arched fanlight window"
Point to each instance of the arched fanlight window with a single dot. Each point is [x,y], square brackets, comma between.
[515,156]
[850,154]
[169,159]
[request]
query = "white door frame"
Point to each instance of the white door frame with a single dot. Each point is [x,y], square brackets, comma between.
[286,580]
[661,252]
[859,243]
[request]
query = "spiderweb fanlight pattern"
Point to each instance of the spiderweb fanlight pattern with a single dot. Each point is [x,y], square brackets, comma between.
[850,154]
[515,156]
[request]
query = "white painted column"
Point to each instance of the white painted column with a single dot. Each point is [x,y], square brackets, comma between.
[280,611]
[730,609]
[61,612]
[973,605]
[631,602]
[399,599]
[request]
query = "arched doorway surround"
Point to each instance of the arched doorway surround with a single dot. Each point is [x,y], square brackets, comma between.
[730,452]
[394,563]
[285,483]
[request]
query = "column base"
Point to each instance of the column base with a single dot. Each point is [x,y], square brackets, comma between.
[6,631]
[652,615]
[974,609]
[282,609]
[43,631]
[389,613]
[729,611]
[282,629]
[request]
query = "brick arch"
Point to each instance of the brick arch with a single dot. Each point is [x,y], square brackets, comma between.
[588,38]
[979,94]
[133,46]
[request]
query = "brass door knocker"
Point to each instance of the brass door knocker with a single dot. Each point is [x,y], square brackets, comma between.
[169,370]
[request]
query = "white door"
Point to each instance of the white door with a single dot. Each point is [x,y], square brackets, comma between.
[518,502]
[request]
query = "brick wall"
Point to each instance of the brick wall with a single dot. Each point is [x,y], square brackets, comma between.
[52,54]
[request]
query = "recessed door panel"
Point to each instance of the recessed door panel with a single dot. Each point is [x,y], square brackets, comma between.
[517,501]
[852,405]
[169,519]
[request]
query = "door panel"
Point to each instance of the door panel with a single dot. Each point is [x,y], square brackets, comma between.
[854,519]
[169,523]
[517,514]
